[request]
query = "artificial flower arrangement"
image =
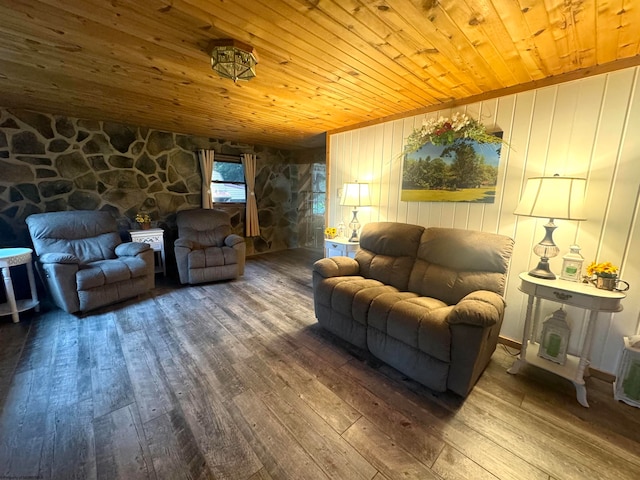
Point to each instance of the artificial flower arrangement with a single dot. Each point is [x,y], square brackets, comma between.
[604,269]
[445,131]
[142,217]
[330,232]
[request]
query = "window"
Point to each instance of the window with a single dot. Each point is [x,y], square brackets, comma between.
[319,185]
[227,182]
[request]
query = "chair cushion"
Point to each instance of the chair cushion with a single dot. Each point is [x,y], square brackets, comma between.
[212,257]
[104,272]
[88,235]
[213,237]
[205,228]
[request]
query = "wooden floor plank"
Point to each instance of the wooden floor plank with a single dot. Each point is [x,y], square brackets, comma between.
[22,423]
[236,380]
[120,446]
[453,465]
[145,372]
[328,449]
[280,452]
[407,434]
[226,451]
[110,382]
[174,450]
[70,443]
[394,462]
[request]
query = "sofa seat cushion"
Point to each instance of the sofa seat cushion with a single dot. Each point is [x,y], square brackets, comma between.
[104,272]
[351,296]
[212,257]
[419,322]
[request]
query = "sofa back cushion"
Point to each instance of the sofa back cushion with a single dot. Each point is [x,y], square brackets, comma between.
[204,227]
[388,251]
[88,235]
[452,263]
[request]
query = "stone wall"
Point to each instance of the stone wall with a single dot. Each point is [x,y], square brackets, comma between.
[53,163]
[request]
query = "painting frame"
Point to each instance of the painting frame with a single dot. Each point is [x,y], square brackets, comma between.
[463,171]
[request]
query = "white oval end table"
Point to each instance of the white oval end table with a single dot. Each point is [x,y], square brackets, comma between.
[12,257]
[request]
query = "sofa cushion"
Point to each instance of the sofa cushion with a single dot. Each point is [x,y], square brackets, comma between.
[387,252]
[452,263]
[353,298]
[420,322]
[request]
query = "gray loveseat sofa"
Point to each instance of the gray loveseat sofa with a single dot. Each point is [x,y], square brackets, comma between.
[427,301]
[85,263]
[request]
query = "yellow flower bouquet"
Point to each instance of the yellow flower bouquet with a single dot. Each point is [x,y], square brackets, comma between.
[604,269]
[330,232]
[142,217]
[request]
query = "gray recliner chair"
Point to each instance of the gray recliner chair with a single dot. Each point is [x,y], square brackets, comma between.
[206,249]
[85,263]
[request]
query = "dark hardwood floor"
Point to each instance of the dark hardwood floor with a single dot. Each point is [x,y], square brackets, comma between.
[235,380]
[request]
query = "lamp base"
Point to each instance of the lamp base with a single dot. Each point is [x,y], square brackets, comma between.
[354,225]
[543,271]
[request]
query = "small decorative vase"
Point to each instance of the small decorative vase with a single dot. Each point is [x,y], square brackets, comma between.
[606,283]
[145,225]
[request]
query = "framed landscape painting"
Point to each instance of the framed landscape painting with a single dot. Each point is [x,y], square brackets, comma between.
[463,171]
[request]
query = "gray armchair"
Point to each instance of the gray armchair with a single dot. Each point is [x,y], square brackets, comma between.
[206,250]
[84,261]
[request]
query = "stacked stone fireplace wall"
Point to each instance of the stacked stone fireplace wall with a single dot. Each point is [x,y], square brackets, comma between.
[54,163]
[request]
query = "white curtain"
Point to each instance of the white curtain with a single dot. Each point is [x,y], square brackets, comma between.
[252,226]
[206,167]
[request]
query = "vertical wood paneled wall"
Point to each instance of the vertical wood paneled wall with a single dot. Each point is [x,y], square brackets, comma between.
[588,127]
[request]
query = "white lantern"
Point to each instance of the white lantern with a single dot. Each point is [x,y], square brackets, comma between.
[572,265]
[555,337]
[627,384]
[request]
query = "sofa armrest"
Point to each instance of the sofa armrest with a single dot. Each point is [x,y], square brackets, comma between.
[67,258]
[481,308]
[233,240]
[184,243]
[336,267]
[131,249]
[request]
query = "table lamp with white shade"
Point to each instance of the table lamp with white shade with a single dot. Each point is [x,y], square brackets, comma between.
[553,198]
[355,195]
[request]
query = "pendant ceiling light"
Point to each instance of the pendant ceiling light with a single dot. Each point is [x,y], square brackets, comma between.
[233,59]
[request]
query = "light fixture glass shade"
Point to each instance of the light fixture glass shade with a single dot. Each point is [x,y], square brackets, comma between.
[553,198]
[233,59]
[356,195]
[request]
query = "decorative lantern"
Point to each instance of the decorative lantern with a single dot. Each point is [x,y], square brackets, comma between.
[555,337]
[572,264]
[627,384]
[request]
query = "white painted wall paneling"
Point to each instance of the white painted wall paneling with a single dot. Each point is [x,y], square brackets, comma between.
[582,128]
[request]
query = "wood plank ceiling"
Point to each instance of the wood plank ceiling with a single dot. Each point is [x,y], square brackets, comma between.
[324,64]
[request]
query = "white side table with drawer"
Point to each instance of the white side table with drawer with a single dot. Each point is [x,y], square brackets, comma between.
[568,293]
[340,247]
[155,238]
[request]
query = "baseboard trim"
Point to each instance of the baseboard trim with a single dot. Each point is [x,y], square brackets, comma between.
[599,374]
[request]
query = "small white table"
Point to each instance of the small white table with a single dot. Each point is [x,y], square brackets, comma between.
[340,247]
[579,295]
[12,257]
[155,238]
